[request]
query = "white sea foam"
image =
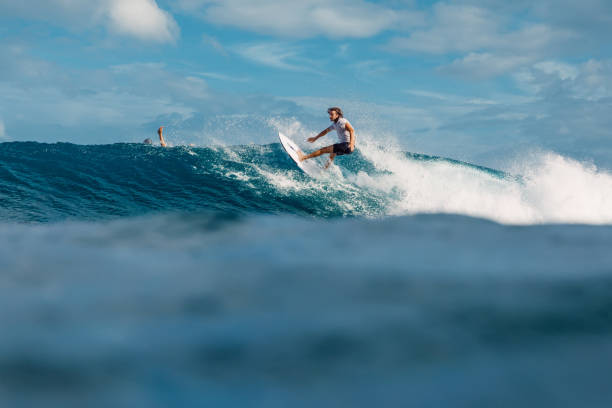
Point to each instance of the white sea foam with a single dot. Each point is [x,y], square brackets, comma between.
[551,188]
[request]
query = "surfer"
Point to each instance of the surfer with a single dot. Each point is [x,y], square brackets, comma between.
[346,137]
[161,138]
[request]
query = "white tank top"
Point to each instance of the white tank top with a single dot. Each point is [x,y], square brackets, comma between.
[344,136]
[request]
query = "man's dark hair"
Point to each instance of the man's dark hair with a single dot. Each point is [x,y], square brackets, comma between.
[337,110]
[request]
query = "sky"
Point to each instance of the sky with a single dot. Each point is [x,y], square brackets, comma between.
[476,80]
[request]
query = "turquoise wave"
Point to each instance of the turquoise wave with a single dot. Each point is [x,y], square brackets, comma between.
[50,182]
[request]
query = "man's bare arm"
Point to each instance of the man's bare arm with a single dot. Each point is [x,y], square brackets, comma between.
[323,133]
[161,138]
[352,132]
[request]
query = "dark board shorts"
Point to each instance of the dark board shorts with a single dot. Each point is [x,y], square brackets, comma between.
[342,148]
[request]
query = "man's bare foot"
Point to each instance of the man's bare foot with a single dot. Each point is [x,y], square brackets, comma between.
[301,155]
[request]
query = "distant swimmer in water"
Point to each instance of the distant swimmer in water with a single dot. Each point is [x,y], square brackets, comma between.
[147,141]
[346,137]
[161,138]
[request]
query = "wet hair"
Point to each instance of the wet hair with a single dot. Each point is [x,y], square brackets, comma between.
[147,141]
[337,110]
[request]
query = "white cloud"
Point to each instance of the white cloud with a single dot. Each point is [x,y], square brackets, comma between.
[121,98]
[452,28]
[430,95]
[222,77]
[596,79]
[475,65]
[369,70]
[343,50]
[74,14]
[213,42]
[564,71]
[18,66]
[591,80]
[103,107]
[444,97]
[466,28]
[303,18]
[276,55]
[568,111]
[140,19]
[153,80]
[492,43]
[586,15]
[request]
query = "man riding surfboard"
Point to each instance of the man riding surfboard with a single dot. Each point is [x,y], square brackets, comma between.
[346,137]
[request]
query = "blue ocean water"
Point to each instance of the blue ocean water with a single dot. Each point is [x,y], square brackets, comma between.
[222,276]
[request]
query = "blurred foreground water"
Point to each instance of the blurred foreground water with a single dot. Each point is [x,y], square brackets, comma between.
[205,309]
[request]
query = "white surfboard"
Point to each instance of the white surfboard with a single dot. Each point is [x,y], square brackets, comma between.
[309,167]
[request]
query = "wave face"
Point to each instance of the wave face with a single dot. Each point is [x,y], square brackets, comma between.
[52,182]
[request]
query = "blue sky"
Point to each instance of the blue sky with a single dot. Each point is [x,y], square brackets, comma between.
[482,81]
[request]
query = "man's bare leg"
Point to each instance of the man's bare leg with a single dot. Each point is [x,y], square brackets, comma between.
[327,149]
[331,160]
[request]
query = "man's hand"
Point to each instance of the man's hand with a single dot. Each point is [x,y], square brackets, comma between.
[312,139]
[352,146]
